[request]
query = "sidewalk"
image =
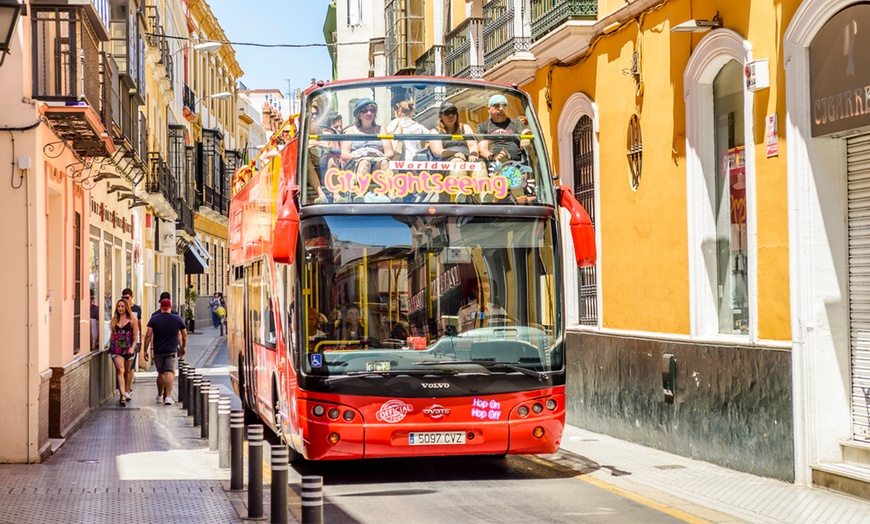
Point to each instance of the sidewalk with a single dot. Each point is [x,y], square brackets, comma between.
[140,463]
[147,463]
[702,489]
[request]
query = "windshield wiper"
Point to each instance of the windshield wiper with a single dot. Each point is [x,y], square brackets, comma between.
[390,373]
[540,375]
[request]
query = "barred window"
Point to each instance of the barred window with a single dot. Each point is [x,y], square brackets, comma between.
[584,190]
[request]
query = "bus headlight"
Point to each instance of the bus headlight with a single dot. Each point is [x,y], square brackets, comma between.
[318,410]
[523,411]
[333,413]
[551,404]
[537,408]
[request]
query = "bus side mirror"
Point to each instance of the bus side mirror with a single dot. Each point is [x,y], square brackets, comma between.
[582,232]
[286,229]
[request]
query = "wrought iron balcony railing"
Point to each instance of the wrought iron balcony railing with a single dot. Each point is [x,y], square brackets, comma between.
[430,63]
[500,37]
[159,179]
[155,40]
[188,98]
[185,217]
[550,14]
[215,199]
[464,49]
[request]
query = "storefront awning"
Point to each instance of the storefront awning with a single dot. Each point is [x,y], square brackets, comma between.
[193,262]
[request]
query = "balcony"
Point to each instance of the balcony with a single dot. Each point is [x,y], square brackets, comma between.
[160,183]
[188,98]
[158,47]
[70,76]
[185,218]
[464,50]
[216,200]
[96,11]
[507,42]
[550,14]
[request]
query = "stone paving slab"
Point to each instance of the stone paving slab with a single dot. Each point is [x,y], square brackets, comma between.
[746,497]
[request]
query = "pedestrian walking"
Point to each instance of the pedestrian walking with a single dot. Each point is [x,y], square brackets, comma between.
[166,338]
[123,345]
[213,304]
[127,295]
[165,295]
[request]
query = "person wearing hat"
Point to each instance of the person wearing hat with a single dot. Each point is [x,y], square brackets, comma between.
[167,339]
[362,156]
[501,149]
[449,124]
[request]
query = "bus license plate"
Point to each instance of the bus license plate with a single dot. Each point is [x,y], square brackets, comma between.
[425,438]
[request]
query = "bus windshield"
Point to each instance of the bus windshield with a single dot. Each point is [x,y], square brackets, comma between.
[431,294]
[421,141]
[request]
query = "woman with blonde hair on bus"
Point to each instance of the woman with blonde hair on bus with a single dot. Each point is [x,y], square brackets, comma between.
[364,156]
[404,124]
[122,345]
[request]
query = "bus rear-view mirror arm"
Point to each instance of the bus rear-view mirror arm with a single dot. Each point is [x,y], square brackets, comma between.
[582,232]
[286,228]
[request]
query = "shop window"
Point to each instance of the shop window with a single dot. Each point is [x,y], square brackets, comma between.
[720,197]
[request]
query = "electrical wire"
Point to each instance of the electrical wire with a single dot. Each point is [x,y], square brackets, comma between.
[12,176]
[252,44]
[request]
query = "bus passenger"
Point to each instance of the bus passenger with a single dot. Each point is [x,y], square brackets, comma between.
[501,149]
[317,156]
[448,123]
[455,150]
[362,156]
[315,318]
[404,124]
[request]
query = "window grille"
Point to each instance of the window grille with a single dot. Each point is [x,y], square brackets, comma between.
[635,151]
[584,192]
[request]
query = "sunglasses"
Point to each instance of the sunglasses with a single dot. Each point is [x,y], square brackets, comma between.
[368,110]
[451,113]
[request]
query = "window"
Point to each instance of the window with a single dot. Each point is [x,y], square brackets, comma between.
[584,190]
[730,203]
[404,35]
[720,196]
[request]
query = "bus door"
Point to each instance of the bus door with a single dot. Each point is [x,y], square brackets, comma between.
[249,333]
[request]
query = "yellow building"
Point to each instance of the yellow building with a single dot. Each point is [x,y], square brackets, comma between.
[721,149]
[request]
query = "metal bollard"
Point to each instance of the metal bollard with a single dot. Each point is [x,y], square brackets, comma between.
[195,400]
[237,437]
[214,395]
[280,482]
[182,375]
[312,499]
[188,391]
[203,409]
[255,471]
[224,433]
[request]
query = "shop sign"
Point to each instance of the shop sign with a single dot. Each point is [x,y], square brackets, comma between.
[840,72]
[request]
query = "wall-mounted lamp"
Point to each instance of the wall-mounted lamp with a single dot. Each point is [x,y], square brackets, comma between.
[10,11]
[104,175]
[698,26]
[113,188]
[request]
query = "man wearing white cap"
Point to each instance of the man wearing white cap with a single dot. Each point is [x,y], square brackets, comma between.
[501,149]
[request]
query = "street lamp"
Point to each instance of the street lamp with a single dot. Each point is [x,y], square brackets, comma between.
[10,10]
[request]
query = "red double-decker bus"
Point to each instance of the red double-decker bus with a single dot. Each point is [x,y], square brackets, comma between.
[396,281]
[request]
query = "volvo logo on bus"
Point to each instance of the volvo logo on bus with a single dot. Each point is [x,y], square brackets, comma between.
[436,385]
[436,411]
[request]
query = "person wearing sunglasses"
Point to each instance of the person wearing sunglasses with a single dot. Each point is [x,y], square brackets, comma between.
[449,124]
[365,155]
[501,149]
